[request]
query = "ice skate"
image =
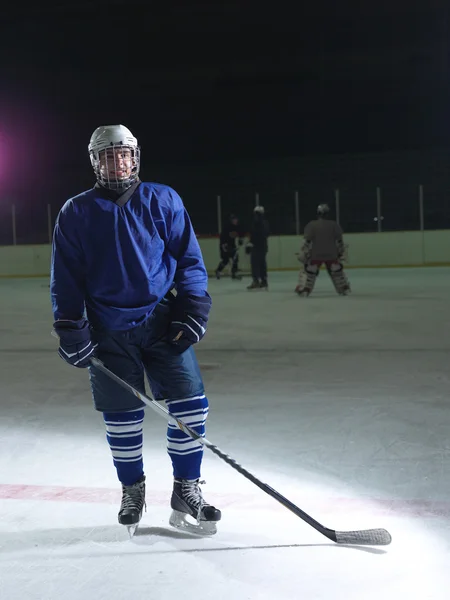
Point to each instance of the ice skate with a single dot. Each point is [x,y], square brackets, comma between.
[132,505]
[187,501]
[345,291]
[236,276]
[253,286]
[301,291]
[264,285]
[217,273]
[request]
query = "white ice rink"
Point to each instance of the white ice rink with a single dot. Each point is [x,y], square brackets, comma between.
[341,404]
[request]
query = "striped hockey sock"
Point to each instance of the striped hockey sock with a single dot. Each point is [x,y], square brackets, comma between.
[124,435]
[187,454]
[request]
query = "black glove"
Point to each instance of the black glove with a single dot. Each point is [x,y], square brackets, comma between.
[190,316]
[248,248]
[75,345]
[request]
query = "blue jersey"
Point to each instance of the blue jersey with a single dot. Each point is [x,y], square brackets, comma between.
[117,262]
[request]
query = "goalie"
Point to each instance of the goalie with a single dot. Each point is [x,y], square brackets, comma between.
[323,244]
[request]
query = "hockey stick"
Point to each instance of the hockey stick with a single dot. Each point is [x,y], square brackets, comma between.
[370,537]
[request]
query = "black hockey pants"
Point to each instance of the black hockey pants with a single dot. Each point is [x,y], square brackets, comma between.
[259,264]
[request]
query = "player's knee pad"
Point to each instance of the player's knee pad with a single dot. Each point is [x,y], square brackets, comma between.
[339,278]
[335,267]
[307,279]
[312,269]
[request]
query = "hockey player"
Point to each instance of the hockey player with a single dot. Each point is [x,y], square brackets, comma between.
[228,249]
[257,247]
[128,284]
[323,245]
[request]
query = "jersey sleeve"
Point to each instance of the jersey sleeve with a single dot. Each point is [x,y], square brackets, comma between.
[67,279]
[191,277]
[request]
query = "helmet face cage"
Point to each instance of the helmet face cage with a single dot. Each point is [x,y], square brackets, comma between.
[115,156]
[117,166]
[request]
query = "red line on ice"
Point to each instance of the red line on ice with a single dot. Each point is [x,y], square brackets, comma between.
[378,506]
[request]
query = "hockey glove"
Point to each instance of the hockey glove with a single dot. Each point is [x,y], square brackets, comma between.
[248,248]
[190,316]
[224,248]
[75,345]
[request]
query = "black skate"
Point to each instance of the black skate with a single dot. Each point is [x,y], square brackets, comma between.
[264,285]
[187,501]
[254,286]
[217,273]
[132,506]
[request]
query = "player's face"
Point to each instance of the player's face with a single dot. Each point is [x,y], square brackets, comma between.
[116,163]
[234,222]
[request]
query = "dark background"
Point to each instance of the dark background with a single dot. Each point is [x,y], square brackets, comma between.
[231,98]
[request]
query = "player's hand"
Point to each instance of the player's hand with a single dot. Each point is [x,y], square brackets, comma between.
[224,247]
[75,344]
[190,319]
[184,334]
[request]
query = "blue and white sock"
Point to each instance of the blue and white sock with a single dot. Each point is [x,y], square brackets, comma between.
[186,453]
[124,435]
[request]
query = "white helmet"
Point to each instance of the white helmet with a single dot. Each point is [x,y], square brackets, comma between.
[115,156]
[323,209]
[259,209]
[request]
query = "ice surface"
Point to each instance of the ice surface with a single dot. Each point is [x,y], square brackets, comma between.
[339,403]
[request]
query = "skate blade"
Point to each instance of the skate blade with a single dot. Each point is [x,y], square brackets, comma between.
[132,530]
[179,520]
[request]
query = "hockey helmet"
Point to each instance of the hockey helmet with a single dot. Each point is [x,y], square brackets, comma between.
[115,156]
[323,209]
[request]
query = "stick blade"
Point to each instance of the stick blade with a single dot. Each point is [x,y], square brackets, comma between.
[364,537]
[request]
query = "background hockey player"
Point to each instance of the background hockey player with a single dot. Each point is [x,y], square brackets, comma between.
[230,233]
[323,244]
[257,247]
[128,284]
